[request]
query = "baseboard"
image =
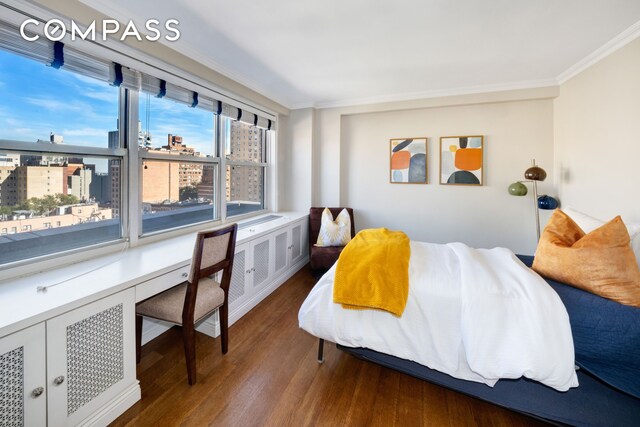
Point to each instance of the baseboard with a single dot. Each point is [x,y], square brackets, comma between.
[116,407]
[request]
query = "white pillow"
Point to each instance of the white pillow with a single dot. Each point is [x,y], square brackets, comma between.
[334,233]
[589,223]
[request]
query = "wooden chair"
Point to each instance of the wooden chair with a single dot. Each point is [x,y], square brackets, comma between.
[190,302]
[323,258]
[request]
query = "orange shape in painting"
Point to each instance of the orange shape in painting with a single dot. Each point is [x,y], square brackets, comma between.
[468,159]
[400,160]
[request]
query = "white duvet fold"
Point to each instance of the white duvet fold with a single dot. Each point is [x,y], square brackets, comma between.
[475,314]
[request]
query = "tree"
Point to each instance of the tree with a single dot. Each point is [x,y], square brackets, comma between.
[66,199]
[188,192]
[5,211]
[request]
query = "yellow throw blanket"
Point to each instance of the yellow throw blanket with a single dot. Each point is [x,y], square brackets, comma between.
[373,272]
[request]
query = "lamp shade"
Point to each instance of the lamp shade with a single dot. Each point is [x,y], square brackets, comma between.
[547,202]
[535,173]
[518,189]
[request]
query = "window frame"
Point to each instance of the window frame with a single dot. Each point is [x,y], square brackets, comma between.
[130,217]
[265,165]
[141,155]
[36,148]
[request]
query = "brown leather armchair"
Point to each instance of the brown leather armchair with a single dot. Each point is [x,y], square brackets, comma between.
[322,258]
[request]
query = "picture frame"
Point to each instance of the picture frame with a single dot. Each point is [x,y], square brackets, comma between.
[462,160]
[408,161]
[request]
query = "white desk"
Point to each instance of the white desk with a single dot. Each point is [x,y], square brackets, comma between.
[21,305]
[91,295]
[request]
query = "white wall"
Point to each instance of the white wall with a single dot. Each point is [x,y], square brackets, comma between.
[295,158]
[597,137]
[487,216]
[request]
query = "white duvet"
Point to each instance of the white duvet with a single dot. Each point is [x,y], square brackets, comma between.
[475,314]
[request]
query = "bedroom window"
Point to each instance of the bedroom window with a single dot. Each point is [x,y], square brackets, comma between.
[59,161]
[245,155]
[177,147]
[94,152]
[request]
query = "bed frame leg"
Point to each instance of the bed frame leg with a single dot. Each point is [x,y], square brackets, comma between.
[320,350]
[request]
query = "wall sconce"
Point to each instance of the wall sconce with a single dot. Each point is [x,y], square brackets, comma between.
[518,188]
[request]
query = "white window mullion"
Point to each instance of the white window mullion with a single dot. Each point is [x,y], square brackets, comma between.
[134,197]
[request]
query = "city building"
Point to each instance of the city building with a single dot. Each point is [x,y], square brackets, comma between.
[171,182]
[114,175]
[160,182]
[8,186]
[100,189]
[39,181]
[65,216]
[79,183]
[244,183]
[8,160]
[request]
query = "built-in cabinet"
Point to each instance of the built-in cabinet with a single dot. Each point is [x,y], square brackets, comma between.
[72,360]
[88,363]
[259,264]
[23,401]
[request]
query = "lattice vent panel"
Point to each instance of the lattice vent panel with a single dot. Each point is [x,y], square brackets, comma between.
[295,237]
[261,262]
[95,356]
[12,388]
[236,288]
[281,251]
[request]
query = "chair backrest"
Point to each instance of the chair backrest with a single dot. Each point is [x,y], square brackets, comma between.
[212,252]
[315,219]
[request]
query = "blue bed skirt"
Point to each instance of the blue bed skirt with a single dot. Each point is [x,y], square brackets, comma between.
[607,344]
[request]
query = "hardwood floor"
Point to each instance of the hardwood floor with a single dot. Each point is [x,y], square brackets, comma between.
[270,377]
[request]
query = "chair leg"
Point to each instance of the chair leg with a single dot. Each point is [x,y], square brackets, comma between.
[189,340]
[138,337]
[320,350]
[223,312]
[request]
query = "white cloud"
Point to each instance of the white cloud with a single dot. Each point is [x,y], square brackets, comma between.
[86,132]
[55,105]
[87,80]
[105,96]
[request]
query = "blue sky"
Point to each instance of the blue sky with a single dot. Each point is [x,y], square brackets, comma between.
[37,100]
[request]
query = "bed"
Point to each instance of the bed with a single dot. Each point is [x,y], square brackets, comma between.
[605,340]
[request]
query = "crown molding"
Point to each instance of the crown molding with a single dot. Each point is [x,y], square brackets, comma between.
[471,90]
[622,39]
[608,48]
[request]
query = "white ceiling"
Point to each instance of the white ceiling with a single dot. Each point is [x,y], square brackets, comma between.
[304,53]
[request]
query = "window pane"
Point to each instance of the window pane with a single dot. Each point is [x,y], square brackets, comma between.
[55,202]
[244,143]
[245,189]
[176,193]
[42,104]
[169,126]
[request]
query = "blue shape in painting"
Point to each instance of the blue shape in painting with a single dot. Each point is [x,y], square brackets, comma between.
[447,166]
[397,176]
[418,168]
[402,145]
[463,177]
[475,142]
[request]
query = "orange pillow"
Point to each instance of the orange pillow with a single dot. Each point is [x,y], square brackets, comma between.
[600,262]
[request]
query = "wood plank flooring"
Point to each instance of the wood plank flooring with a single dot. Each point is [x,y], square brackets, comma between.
[270,377]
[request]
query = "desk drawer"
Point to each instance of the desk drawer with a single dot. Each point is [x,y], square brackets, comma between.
[158,284]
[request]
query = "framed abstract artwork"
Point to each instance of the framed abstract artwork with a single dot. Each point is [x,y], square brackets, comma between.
[461,160]
[408,161]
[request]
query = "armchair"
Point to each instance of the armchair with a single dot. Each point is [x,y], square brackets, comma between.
[322,258]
